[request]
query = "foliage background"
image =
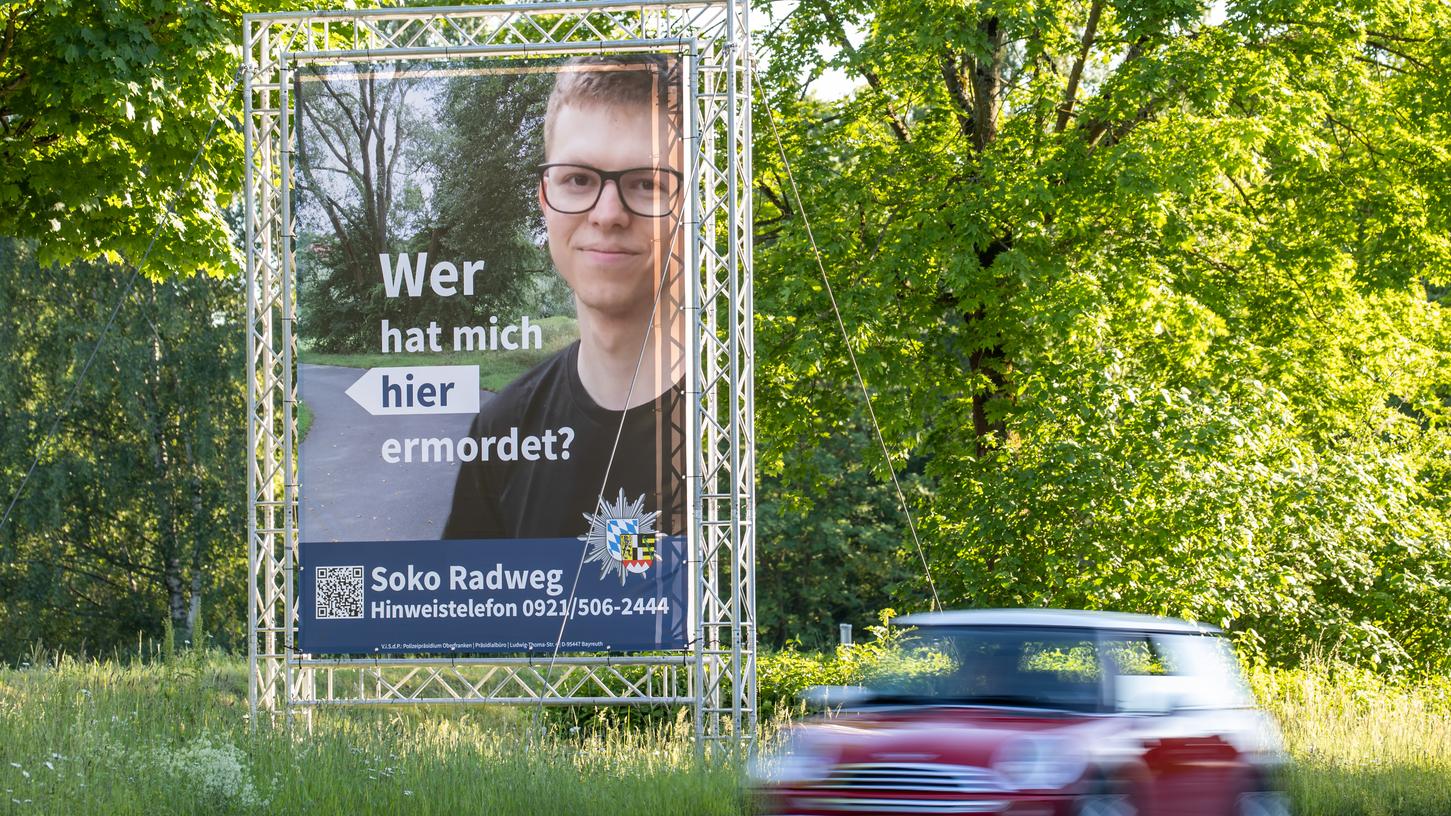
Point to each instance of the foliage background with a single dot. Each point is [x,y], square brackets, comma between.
[1150,296]
[1167,283]
[131,518]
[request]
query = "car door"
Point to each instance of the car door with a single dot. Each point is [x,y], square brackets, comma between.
[1176,745]
[1212,708]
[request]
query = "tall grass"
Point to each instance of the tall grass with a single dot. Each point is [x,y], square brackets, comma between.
[116,737]
[1362,743]
[101,737]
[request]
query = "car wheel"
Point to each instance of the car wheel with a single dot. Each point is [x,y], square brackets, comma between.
[1103,800]
[1262,803]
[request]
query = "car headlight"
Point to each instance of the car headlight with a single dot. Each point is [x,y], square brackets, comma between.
[1039,762]
[800,758]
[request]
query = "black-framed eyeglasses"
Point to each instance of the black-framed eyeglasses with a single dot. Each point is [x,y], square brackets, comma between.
[651,192]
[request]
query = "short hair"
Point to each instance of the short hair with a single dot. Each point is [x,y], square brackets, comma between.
[624,80]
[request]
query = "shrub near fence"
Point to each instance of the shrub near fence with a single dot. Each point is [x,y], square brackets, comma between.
[781,676]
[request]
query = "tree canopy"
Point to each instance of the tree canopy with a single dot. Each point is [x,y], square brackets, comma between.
[133,514]
[103,107]
[1151,297]
[1169,285]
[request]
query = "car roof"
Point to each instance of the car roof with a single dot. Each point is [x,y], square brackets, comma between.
[1065,618]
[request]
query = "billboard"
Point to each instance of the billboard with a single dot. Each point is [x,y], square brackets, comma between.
[492,355]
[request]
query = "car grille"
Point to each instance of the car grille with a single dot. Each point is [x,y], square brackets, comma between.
[931,807]
[900,778]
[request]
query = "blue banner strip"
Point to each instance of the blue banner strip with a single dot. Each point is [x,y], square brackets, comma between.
[491,596]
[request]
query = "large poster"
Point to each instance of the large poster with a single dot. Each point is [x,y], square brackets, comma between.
[491,355]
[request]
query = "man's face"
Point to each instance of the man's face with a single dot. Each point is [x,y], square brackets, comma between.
[609,256]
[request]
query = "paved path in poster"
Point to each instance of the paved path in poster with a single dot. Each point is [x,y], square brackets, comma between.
[347,492]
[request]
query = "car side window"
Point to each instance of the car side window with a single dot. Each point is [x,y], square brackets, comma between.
[1208,668]
[1043,667]
[1134,656]
[1141,680]
[1159,673]
[1064,669]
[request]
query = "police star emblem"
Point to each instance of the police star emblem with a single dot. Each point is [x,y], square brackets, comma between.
[621,537]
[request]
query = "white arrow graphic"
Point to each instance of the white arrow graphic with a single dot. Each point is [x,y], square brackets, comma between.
[400,390]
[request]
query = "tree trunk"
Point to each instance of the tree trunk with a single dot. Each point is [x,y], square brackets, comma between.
[176,599]
[194,609]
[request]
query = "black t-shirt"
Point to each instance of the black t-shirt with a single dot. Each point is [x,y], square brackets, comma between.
[548,499]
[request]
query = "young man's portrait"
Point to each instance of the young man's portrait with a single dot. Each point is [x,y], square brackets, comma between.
[611,192]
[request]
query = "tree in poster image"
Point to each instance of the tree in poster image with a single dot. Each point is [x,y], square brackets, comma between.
[386,168]
[1167,277]
[485,201]
[358,197]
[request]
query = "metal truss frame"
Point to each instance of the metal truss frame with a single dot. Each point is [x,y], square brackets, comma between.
[716,675]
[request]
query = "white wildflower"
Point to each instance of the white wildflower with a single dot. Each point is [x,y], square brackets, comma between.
[215,771]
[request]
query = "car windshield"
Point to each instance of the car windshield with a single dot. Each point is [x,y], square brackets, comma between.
[1031,667]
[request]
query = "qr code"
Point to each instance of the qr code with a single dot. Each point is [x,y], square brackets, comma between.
[339,592]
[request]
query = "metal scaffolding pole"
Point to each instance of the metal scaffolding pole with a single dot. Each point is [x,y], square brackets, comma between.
[716,675]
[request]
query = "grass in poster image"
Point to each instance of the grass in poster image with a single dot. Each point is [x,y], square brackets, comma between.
[134,737]
[304,420]
[496,368]
[146,738]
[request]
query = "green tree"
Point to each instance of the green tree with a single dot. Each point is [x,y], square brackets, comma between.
[103,106]
[133,514]
[1153,292]
[130,516]
[838,552]
[405,161]
[486,202]
[360,196]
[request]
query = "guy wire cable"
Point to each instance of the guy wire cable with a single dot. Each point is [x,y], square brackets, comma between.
[845,338]
[120,301]
[609,463]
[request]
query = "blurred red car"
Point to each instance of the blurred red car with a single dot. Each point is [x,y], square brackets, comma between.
[1041,712]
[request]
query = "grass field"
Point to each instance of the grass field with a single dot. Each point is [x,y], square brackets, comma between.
[81,737]
[496,368]
[103,738]
[1362,744]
